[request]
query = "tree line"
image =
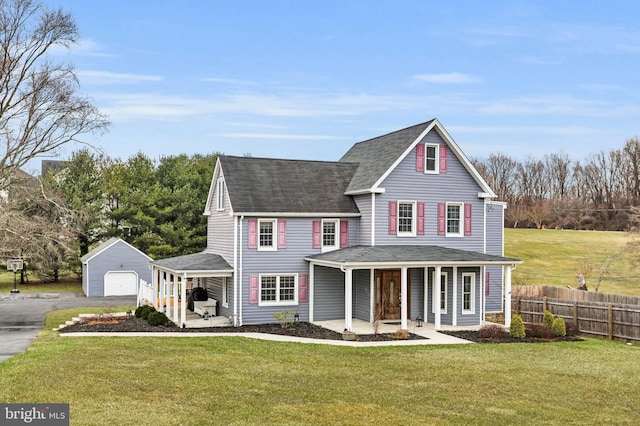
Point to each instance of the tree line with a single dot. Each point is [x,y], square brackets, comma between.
[599,192]
[155,205]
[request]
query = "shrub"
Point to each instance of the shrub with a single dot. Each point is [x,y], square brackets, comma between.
[157,318]
[558,327]
[144,311]
[285,318]
[572,328]
[492,331]
[517,327]
[539,331]
[547,319]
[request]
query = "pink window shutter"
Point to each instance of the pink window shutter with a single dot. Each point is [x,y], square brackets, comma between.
[317,234]
[420,157]
[467,219]
[282,233]
[253,233]
[303,288]
[253,289]
[393,217]
[486,283]
[344,233]
[442,218]
[443,159]
[420,218]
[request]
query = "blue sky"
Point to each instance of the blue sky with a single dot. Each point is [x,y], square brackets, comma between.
[303,79]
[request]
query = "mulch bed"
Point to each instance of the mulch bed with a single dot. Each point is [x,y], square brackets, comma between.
[302,329]
[475,336]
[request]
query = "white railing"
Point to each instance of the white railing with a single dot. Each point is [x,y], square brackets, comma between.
[146,293]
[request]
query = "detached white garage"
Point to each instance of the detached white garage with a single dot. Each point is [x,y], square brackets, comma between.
[114,268]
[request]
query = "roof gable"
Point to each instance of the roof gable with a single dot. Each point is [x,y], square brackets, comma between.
[105,246]
[379,156]
[264,185]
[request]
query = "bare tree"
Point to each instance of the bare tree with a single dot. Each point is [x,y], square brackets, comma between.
[40,108]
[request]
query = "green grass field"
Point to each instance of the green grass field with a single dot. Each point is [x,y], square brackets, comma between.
[238,381]
[553,257]
[36,286]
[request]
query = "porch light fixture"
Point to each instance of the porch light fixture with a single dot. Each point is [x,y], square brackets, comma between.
[419,321]
[129,314]
[296,318]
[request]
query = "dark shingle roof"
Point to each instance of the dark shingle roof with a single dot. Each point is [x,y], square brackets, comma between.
[375,156]
[409,255]
[195,262]
[265,185]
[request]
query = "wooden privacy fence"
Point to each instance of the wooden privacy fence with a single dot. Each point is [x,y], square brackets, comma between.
[612,320]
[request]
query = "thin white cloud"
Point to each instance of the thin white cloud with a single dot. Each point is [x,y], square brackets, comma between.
[557,105]
[107,77]
[231,81]
[84,47]
[446,78]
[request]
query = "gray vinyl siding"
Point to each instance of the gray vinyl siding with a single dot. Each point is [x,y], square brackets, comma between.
[364,224]
[362,294]
[469,319]
[495,245]
[220,228]
[407,184]
[119,257]
[289,260]
[214,290]
[328,294]
[494,300]
[416,280]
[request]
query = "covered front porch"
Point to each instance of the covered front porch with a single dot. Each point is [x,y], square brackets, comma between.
[174,277]
[399,284]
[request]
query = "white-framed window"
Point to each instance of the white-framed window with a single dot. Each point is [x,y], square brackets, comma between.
[406,219]
[330,234]
[267,234]
[443,293]
[455,224]
[220,194]
[431,158]
[226,291]
[278,289]
[468,293]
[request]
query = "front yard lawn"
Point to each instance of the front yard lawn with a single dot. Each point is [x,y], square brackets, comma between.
[236,380]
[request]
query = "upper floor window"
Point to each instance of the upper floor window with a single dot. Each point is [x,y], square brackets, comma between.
[266,234]
[278,289]
[330,237]
[406,218]
[220,194]
[454,219]
[431,157]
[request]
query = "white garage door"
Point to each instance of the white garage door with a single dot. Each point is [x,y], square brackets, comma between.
[120,283]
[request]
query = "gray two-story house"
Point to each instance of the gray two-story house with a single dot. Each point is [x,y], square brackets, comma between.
[401,227]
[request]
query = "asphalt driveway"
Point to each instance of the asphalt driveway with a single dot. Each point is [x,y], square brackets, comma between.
[22,315]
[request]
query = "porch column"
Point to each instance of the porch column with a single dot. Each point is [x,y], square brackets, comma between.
[183,300]
[403,299]
[437,283]
[425,302]
[163,285]
[154,285]
[175,303]
[507,296]
[348,299]
[310,289]
[168,295]
[372,295]
[454,310]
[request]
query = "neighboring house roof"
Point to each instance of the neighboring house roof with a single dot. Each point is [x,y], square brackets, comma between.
[194,263]
[379,156]
[402,255]
[104,246]
[266,185]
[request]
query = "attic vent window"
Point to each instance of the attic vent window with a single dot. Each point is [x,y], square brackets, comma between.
[220,194]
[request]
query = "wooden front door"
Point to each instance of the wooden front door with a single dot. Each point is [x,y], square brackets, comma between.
[387,294]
